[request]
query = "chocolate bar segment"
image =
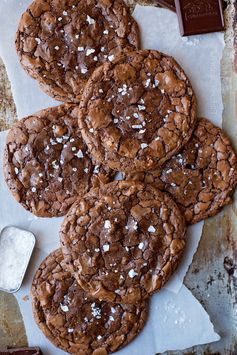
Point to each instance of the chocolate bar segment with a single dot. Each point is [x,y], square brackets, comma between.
[169,4]
[199,16]
[22,351]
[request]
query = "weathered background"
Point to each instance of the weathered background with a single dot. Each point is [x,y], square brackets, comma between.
[213,274]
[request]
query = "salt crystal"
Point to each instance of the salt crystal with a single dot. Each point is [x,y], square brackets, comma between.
[64,308]
[90,20]
[136,126]
[84,70]
[144,145]
[79,154]
[89,51]
[106,247]
[96,311]
[148,81]
[70,330]
[105,32]
[96,169]
[132,273]
[107,224]
[80,49]
[141,246]
[111,57]
[151,229]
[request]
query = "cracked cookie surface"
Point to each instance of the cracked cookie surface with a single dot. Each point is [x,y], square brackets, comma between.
[60,43]
[75,321]
[46,162]
[123,242]
[202,177]
[138,111]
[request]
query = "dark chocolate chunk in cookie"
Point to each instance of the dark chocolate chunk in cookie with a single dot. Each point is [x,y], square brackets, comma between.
[46,162]
[60,43]
[138,111]
[75,321]
[202,177]
[123,242]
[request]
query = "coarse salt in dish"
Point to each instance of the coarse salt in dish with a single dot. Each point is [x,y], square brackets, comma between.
[16,247]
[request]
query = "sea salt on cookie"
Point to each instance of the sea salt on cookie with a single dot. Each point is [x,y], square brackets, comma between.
[46,162]
[60,43]
[75,321]
[124,241]
[138,111]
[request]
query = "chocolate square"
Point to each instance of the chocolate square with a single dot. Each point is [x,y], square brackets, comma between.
[199,16]
[169,4]
[22,351]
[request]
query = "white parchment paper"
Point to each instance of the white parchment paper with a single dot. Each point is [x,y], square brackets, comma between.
[199,56]
[177,320]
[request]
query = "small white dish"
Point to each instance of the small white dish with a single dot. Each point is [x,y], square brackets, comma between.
[16,247]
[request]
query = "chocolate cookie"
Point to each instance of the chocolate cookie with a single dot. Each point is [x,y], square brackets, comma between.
[202,177]
[137,111]
[46,164]
[60,43]
[75,321]
[123,242]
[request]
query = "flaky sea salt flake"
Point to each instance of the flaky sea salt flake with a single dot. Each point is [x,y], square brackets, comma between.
[90,20]
[107,224]
[151,229]
[132,273]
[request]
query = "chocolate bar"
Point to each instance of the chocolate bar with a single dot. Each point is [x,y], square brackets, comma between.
[199,16]
[22,351]
[169,4]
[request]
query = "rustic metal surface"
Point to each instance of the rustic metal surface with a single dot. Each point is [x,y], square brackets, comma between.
[213,274]
[7,106]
